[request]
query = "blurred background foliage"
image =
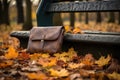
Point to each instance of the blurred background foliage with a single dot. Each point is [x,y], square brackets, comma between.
[21,15]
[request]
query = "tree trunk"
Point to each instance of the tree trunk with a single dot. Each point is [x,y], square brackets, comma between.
[86,18]
[20,14]
[6,12]
[80,14]
[112,17]
[119,18]
[28,19]
[72,19]
[98,20]
[1,15]
[57,21]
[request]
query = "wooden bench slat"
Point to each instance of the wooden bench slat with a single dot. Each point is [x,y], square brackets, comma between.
[96,38]
[99,37]
[82,6]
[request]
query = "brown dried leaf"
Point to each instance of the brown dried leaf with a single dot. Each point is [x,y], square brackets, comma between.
[88,60]
[23,56]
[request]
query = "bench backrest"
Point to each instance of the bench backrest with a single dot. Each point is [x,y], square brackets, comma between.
[47,8]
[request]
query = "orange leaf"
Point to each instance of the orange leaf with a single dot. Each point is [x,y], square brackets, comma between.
[88,60]
[77,30]
[6,63]
[68,29]
[45,62]
[37,76]
[35,56]
[12,54]
[23,56]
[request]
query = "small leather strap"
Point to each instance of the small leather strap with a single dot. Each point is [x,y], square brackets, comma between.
[42,43]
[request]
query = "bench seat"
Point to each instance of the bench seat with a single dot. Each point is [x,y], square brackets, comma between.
[95,42]
[88,36]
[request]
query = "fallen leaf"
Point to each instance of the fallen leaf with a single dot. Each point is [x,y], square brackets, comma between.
[23,56]
[61,63]
[103,61]
[60,73]
[6,63]
[77,30]
[36,76]
[45,55]
[71,52]
[88,60]
[114,76]
[75,65]
[86,73]
[35,56]
[12,53]
[65,78]
[64,56]
[68,29]
[75,76]
[47,62]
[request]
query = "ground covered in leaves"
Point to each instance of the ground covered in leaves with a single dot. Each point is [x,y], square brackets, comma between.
[16,64]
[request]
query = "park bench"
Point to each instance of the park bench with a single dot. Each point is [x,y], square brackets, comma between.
[91,41]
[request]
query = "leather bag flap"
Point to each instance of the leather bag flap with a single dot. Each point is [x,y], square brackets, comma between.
[45,33]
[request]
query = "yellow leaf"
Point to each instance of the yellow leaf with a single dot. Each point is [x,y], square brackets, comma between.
[103,61]
[71,52]
[114,76]
[47,62]
[35,56]
[66,56]
[52,61]
[63,56]
[45,55]
[65,59]
[12,54]
[75,65]
[68,29]
[61,73]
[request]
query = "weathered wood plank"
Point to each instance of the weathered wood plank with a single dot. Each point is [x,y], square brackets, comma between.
[94,37]
[97,38]
[82,6]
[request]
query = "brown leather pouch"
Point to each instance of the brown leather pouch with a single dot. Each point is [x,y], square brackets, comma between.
[45,39]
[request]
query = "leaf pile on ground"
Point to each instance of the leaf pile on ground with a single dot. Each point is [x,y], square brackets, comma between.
[17,64]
